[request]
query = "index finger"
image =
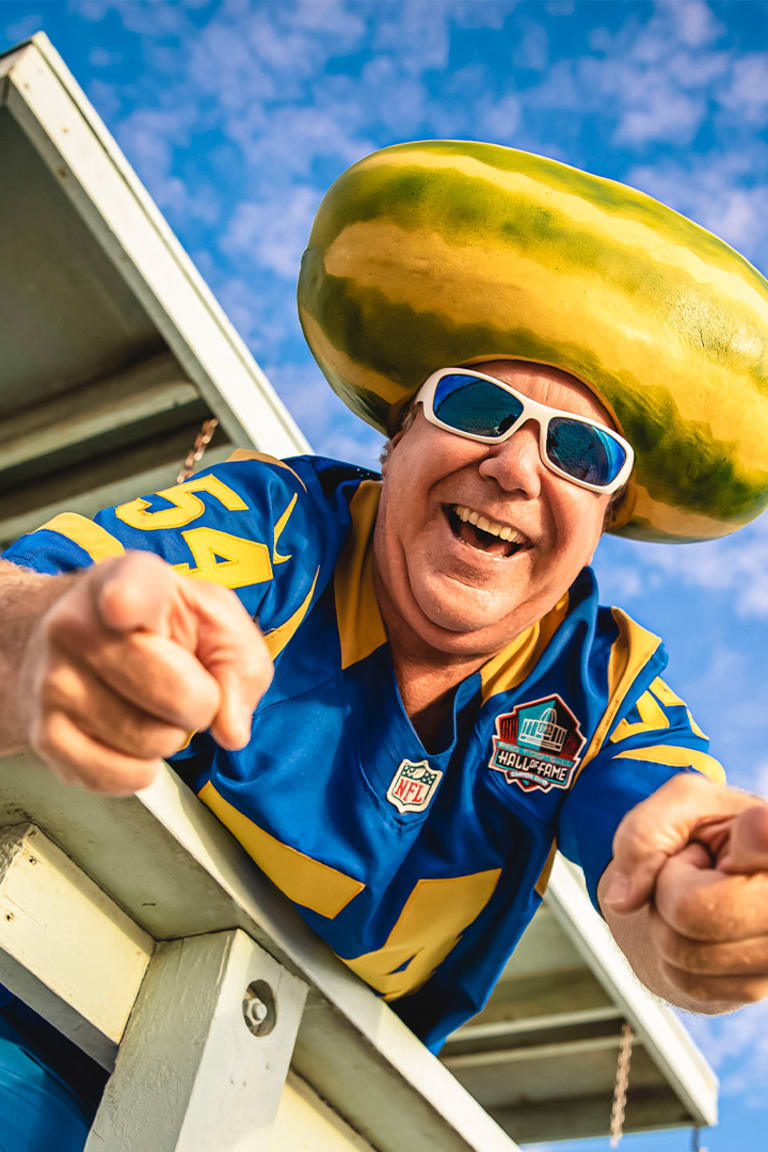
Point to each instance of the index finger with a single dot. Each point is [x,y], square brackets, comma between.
[703,903]
[233,650]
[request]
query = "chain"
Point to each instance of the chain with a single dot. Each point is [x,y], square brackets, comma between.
[195,454]
[621,1085]
[696,1144]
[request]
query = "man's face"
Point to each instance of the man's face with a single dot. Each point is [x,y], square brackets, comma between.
[466,592]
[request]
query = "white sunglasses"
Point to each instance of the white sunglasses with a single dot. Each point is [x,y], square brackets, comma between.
[488,410]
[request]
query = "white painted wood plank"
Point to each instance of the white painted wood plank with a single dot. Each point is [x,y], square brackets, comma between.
[190,1074]
[50,107]
[178,871]
[66,947]
[661,1033]
[305,1123]
[136,394]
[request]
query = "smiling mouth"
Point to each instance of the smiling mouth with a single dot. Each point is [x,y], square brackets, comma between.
[482,534]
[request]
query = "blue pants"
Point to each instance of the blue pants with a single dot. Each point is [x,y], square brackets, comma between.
[38,1113]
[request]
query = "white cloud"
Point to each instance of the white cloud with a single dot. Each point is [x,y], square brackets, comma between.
[747,92]
[724,190]
[274,232]
[735,565]
[761,778]
[24,28]
[501,120]
[99,57]
[664,115]
[694,21]
[328,424]
[144,17]
[728,1040]
[648,81]
[418,32]
[149,136]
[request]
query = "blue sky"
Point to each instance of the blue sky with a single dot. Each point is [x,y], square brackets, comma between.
[238,115]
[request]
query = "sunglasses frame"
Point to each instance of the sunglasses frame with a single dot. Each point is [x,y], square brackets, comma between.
[542,414]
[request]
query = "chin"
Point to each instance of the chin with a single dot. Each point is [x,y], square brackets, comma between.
[471,621]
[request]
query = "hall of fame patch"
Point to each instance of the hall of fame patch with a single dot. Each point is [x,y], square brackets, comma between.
[537,744]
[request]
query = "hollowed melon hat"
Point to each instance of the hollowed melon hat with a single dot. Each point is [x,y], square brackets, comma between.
[440,253]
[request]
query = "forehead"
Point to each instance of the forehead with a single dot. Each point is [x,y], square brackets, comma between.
[548,386]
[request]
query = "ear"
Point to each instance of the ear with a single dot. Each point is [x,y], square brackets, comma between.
[389,446]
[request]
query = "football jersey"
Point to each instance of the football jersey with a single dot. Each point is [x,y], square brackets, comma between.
[420,867]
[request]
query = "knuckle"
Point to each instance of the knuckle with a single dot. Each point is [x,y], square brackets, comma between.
[754,990]
[685,954]
[47,738]
[690,911]
[262,673]
[58,684]
[59,625]
[120,778]
[159,740]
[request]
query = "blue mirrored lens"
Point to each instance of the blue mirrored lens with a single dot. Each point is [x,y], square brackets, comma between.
[584,452]
[475,406]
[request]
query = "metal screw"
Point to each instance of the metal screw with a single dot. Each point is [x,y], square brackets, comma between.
[259,1008]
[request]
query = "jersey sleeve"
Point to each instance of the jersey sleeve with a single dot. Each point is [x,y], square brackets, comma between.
[259,526]
[650,742]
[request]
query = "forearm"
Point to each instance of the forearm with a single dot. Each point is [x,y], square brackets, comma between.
[25,597]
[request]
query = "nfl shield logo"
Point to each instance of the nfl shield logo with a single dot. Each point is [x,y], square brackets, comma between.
[413,786]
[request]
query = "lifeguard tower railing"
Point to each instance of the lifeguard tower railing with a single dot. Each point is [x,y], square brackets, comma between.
[139,927]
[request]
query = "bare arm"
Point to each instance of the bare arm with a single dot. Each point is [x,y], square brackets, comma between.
[25,597]
[104,671]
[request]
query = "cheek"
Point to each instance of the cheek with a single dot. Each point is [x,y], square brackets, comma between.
[580,525]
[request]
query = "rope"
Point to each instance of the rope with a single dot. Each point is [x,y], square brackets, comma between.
[621,1085]
[195,454]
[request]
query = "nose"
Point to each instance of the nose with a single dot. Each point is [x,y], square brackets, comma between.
[516,464]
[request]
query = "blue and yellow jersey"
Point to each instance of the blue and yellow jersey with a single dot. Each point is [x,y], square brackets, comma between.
[419,867]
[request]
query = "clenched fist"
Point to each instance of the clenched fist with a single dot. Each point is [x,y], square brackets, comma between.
[126,662]
[686,894]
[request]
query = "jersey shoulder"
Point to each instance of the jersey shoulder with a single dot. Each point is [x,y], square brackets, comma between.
[269,529]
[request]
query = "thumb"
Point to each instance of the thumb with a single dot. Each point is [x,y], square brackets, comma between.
[660,827]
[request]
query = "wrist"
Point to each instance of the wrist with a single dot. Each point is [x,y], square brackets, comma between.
[25,599]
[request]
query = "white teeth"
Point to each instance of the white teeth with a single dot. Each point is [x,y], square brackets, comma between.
[486,525]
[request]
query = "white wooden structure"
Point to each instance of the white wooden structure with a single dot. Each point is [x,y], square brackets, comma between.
[138,926]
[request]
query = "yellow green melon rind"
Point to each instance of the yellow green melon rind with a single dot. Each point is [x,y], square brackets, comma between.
[431,254]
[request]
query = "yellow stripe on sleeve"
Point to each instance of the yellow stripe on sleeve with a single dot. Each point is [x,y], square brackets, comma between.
[89,536]
[676,756]
[663,692]
[278,638]
[543,880]
[252,454]
[633,648]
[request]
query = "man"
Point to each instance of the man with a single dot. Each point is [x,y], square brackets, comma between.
[448,698]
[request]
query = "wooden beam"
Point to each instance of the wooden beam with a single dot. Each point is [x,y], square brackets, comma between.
[170,863]
[102,482]
[196,1070]
[572,1119]
[66,948]
[95,411]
